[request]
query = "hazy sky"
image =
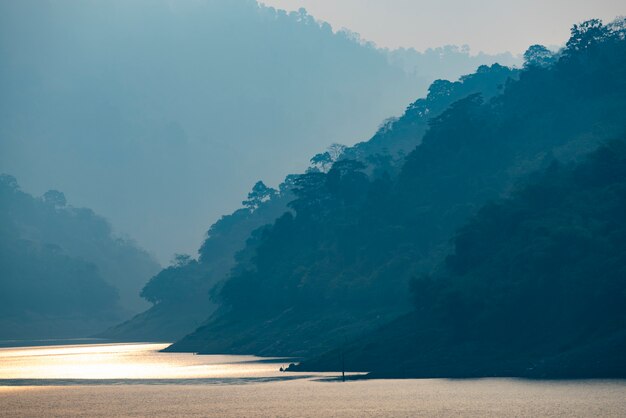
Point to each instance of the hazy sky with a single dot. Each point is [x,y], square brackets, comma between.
[487,25]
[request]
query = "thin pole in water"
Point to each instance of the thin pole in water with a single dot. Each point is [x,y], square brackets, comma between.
[343,365]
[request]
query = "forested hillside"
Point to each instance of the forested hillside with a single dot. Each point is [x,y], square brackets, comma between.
[181,293]
[535,286]
[397,137]
[340,262]
[62,271]
[173,316]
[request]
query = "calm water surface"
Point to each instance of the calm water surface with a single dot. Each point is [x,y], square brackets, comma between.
[136,380]
[124,363]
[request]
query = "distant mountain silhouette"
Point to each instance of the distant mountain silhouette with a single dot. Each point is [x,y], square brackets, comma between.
[62,271]
[160,114]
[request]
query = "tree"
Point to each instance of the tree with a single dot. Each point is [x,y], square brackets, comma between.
[336,150]
[618,28]
[382,163]
[346,180]
[288,184]
[260,193]
[586,34]
[310,190]
[345,167]
[439,89]
[538,56]
[322,161]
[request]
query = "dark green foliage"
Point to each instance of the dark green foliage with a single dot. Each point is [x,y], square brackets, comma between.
[328,207]
[299,259]
[317,193]
[550,262]
[538,56]
[260,193]
[396,137]
[587,35]
[322,160]
[356,240]
[535,286]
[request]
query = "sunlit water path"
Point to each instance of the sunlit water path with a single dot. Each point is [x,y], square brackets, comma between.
[131,363]
[137,380]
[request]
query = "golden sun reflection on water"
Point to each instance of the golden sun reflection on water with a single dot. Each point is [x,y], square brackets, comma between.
[124,361]
[136,380]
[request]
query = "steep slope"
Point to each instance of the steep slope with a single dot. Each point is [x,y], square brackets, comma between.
[355,241]
[181,294]
[399,136]
[534,287]
[62,272]
[173,317]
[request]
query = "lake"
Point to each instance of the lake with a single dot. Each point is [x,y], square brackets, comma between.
[137,380]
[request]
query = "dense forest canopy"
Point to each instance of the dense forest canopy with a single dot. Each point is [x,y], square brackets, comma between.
[353,240]
[382,155]
[533,286]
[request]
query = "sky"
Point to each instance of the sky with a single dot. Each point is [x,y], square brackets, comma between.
[485,25]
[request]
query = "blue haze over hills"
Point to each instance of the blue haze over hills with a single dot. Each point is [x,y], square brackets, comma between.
[481,233]
[161,115]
